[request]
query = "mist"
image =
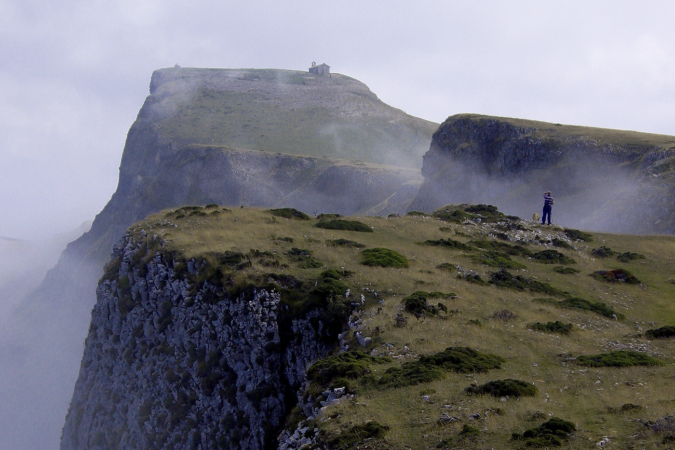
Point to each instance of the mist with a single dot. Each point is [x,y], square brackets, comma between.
[591,193]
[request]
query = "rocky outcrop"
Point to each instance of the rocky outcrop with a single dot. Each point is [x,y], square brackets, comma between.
[173,363]
[608,180]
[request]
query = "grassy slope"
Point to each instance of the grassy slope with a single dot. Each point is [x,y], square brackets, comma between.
[289,112]
[579,394]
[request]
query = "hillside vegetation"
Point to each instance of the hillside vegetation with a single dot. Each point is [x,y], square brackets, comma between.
[467,350]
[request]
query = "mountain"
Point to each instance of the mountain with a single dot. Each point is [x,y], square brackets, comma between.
[233,137]
[249,328]
[609,180]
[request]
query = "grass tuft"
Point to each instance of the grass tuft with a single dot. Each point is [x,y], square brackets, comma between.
[350,365]
[497,259]
[504,279]
[577,235]
[447,243]
[566,270]
[358,433]
[552,257]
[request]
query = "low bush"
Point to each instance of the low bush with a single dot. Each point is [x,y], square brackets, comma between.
[346,225]
[552,327]
[629,256]
[358,433]
[577,235]
[603,252]
[304,258]
[323,216]
[447,266]
[289,213]
[383,257]
[497,259]
[503,247]
[343,243]
[616,276]
[626,407]
[619,358]
[504,279]
[552,257]
[565,270]
[561,243]
[585,305]
[418,214]
[473,278]
[433,367]
[504,388]
[350,365]
[416,303]
[548,434]
[504,314]
[447,243]
[666,332]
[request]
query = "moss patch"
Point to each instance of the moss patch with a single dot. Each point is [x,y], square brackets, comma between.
[345,225]
[383,257]
[343,243]
[548,434]
[289,213]
[666,332]
[504,388]
[619,358]
[552,257]
[552,327]
[616,276]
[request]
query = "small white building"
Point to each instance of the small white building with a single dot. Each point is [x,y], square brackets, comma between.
[321,69]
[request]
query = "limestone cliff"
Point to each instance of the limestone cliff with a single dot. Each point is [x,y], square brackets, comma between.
[175,359]
[608,180]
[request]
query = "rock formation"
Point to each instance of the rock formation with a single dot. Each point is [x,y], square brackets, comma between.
[607,180]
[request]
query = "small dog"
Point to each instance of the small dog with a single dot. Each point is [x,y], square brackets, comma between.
[536,217]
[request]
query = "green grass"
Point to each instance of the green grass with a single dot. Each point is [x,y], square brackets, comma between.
[349,365]
[346,225]
[543,358]
[497,259]
[358,433]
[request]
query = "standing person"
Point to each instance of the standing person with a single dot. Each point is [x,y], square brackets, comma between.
[548,206]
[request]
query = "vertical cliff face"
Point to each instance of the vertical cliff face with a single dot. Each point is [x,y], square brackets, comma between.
[608,180]
[176,361]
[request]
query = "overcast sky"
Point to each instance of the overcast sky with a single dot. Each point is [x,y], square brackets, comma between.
[73,74]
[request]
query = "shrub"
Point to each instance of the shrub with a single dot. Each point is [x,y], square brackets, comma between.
[447,266]
[603,252]
[346,225]
[323,216]
[616,276]
[468,430]
[504,279]
[661,333]
[497,259]
[547,434]
[504,388]
[619,358]
[384,257]
[343,243]
[433,367]
[552,327]
[626,407]
[416,303]
[560,243]
[629,256]
[513,250]
[358,433]
[504,314]
[447,243]
[585,305]
[351,365]
[418,214]
[565,270]
[289,213]
[552,257]
[304,257]
[577,235]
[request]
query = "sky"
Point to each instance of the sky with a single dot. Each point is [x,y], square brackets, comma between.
[73,74]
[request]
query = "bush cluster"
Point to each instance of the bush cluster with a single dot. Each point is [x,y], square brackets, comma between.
[504,388]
